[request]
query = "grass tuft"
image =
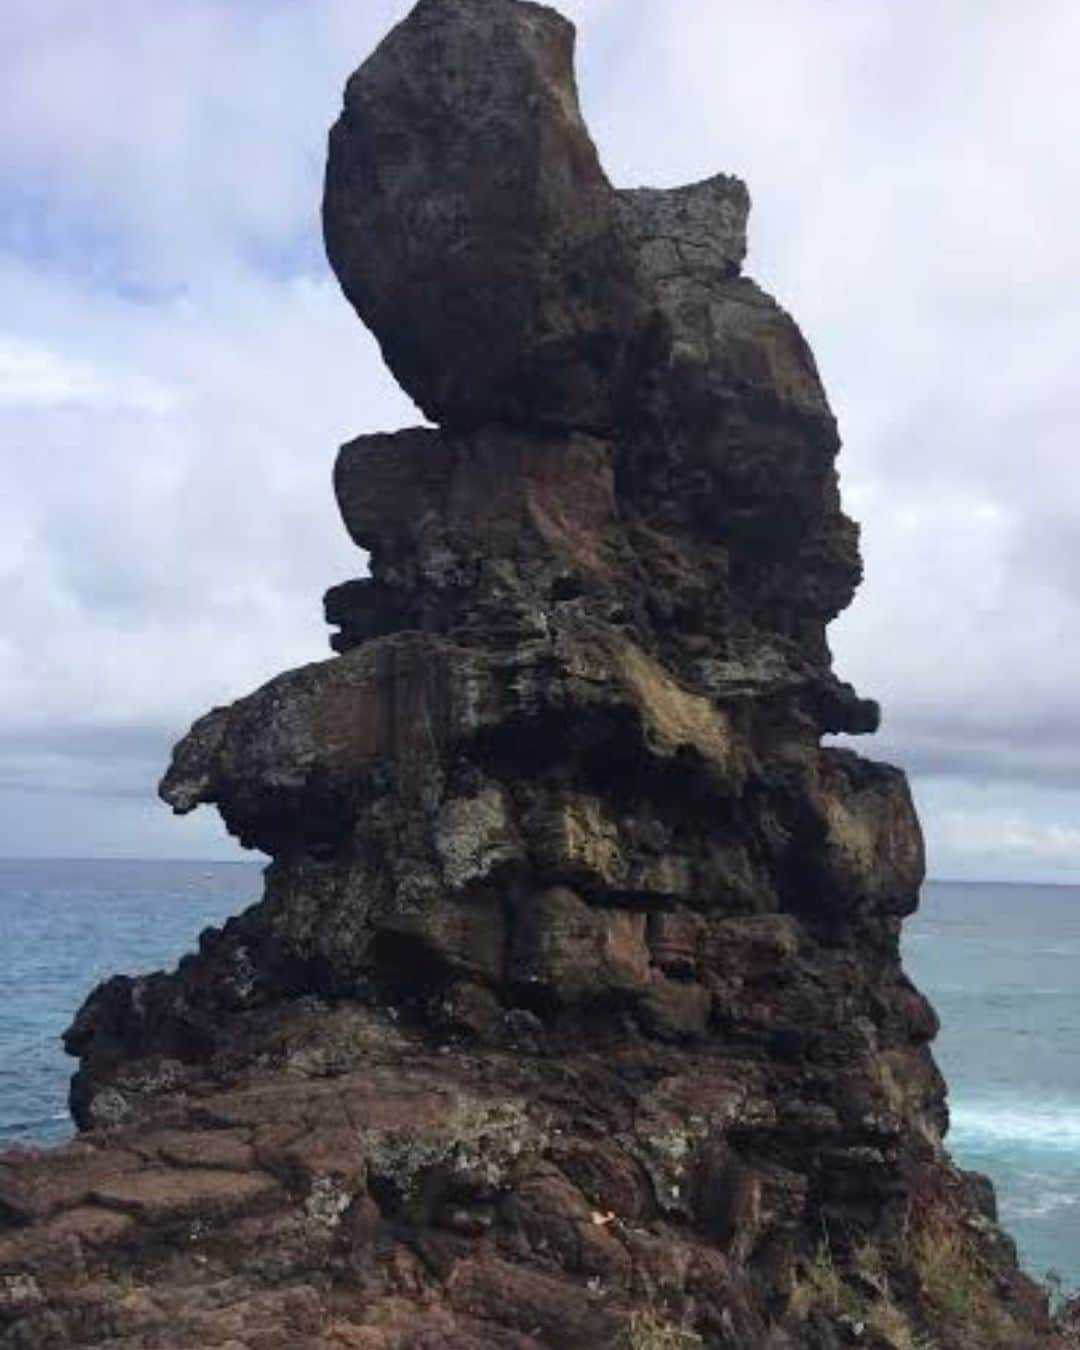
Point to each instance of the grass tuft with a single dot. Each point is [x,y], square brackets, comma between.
[958,1282]
[646,1331]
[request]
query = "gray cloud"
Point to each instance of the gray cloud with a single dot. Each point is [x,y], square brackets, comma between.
[177,368]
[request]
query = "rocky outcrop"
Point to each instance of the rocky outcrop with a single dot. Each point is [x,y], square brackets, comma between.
[472,227]
[573,1013]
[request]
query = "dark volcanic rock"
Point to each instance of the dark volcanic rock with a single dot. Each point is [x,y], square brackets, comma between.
[573,1012]
[472,227]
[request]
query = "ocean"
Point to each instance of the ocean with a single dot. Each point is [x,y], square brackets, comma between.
[66,926]
[1000,963]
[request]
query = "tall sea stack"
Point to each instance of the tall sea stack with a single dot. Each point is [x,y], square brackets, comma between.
[573,1013]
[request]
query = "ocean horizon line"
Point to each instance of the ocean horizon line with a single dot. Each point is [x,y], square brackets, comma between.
[260,859]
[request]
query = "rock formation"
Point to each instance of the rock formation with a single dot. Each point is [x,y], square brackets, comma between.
[573,1013]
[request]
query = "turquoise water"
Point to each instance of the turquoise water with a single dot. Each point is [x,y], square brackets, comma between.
[1001,964]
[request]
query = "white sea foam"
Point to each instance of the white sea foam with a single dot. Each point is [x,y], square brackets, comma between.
[1048,1126]
[1042,1201]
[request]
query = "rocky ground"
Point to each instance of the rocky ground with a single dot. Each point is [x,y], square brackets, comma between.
[573,1012]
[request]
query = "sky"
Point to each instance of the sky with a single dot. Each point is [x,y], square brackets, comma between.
[178,367]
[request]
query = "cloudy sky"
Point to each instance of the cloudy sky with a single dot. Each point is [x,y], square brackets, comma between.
[177,368]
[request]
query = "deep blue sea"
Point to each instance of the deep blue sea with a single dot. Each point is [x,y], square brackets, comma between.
[64,927]
[1001,964]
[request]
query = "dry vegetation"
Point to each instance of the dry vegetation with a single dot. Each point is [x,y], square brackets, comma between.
[954,1282]
[646,1331]
[957,1281]
[860,1292]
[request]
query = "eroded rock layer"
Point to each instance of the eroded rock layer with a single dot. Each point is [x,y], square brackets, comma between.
[573,1013]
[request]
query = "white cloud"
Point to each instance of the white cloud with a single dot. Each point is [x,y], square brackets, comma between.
[36,376]
[1000,830]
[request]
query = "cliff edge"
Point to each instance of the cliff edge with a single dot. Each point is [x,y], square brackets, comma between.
[573,1012]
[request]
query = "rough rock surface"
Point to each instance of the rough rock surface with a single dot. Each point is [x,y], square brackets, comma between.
[472,226]
[573,1013]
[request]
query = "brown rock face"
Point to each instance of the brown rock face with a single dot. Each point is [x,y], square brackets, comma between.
[573,1013]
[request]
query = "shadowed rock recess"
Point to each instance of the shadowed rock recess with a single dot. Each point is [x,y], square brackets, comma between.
[573,1014]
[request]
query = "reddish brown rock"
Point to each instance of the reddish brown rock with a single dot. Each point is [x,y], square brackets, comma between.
[158,1196]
